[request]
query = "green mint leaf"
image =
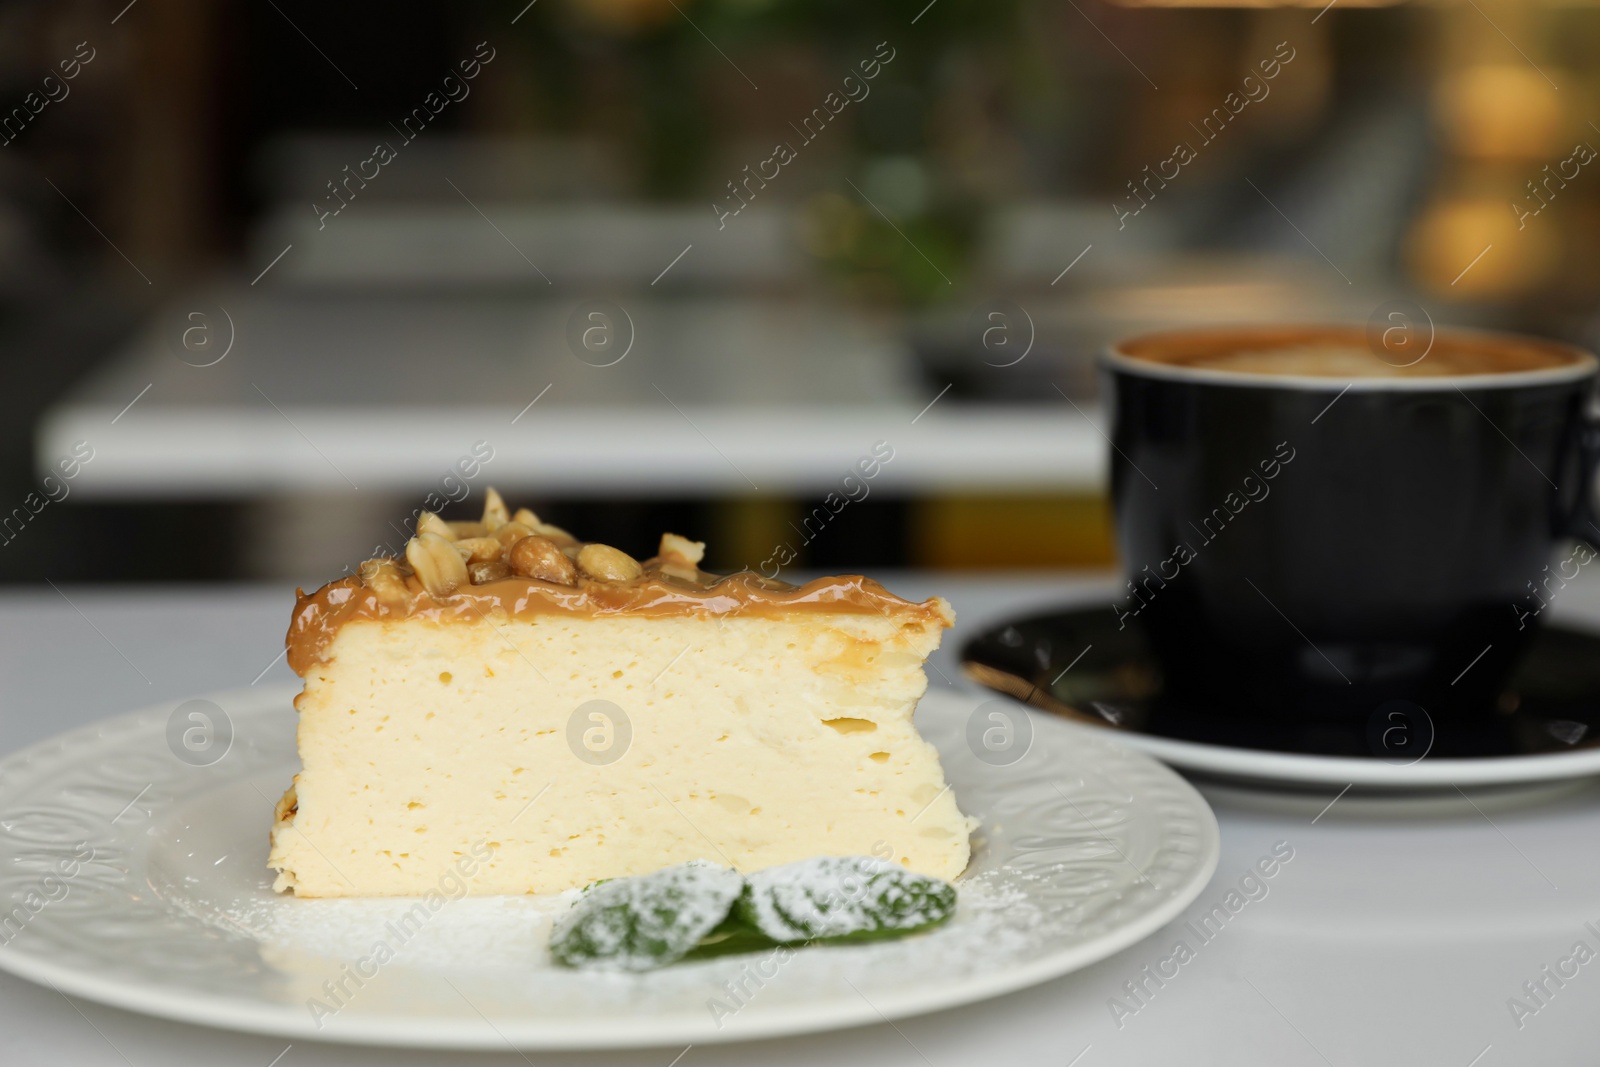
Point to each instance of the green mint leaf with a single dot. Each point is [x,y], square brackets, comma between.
[833,898]
[638,924]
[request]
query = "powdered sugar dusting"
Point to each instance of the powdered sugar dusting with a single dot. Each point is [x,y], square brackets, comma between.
[835,896]
[637,924]
[495,951]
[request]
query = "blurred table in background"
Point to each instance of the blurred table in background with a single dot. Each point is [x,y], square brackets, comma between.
[384,392]
[607,349]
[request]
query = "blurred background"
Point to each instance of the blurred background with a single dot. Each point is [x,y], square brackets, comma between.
[275,275]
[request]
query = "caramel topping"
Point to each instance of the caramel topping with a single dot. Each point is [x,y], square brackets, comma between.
[518,566]
[319,615]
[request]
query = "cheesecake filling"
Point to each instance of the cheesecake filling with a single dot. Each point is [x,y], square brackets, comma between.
[563,714]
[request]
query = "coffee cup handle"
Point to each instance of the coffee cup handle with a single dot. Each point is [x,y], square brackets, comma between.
[1585,521]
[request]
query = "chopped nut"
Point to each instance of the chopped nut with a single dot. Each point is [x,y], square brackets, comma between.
[428,522]
[555,533]
[536,525]
[608,564]
[479,549]
[466,528]
[542,558]
[488,572]
[511,533]
[543,528]
[383,577]
[680,556]
[439,566]
[495,514]
[681,549]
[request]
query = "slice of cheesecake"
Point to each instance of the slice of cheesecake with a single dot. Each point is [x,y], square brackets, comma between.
[510,703]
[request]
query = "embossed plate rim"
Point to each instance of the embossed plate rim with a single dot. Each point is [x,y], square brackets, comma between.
[150,996]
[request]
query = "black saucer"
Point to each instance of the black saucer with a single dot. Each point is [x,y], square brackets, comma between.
[1077,663]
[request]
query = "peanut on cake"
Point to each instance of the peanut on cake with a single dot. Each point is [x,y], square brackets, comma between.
[570,713]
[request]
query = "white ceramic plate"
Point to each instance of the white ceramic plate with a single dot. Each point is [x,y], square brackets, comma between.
[165,905]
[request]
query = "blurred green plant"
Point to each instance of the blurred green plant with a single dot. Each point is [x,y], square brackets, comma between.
[917,260]
[657,50]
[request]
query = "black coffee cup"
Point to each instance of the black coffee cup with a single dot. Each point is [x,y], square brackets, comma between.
[1317,522]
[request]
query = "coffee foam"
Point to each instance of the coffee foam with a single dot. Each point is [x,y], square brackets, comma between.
[1344,353]
[1324,361]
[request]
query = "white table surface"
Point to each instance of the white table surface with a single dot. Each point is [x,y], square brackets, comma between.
[1395,935]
